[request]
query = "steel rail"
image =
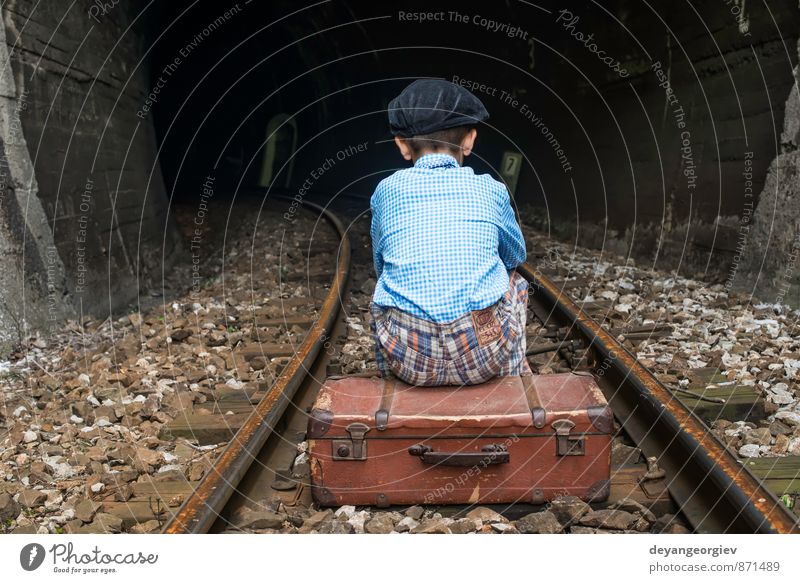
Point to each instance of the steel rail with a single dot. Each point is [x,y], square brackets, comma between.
[202,508]
[715,492]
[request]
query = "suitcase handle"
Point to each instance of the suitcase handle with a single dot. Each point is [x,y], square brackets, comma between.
[489,455]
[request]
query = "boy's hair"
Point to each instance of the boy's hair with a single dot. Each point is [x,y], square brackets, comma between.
[449,139]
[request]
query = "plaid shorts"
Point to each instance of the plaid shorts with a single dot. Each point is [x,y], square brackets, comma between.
[470,350]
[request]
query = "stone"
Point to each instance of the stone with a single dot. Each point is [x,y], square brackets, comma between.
[148,456]
[582,530]
[539,523]
[569,509]
[30,436]
[415,512]
[316,519]
[85,510]
[9,508]
[666,523]
[109,522]
[464,526]
[634,507]
[119,477]
[180,335]
[503,528]
[781,445]
[93,528]
[124,453]
[749,450]
[358,520]
[150,406]
[258,363]
[30,498]
[675,528]
[196,471]
[608,518]
[406,524]
[119,377]
[262,519]
[345,512]
[777,428]
[216,338]
[336,527]
[112,393]
[433,526]
[484,515]
[760,436]
[781,398]
[381,523]
[790,418]
[151,526]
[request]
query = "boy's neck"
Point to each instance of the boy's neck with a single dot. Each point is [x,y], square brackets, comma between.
[457,155]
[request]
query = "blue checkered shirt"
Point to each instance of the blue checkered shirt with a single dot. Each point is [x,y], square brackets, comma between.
[443,239]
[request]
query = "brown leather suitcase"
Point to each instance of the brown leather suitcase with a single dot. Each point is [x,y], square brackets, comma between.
[375,442]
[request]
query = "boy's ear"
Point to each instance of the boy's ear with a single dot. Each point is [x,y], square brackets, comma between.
[402,145]
[468,142]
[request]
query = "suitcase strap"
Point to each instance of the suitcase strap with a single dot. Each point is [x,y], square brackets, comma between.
[387,396]
[538,414]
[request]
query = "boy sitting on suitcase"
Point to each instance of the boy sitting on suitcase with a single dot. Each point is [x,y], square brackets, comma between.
[448,307]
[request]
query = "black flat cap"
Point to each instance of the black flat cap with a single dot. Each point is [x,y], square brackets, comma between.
[431,105]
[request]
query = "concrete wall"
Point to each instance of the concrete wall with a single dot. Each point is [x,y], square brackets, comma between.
[770,260]
[84,221]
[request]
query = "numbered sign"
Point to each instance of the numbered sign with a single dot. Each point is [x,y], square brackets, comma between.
[509,169]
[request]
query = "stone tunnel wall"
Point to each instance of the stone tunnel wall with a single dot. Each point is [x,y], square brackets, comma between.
[669,178]
[769,262]
[84,214]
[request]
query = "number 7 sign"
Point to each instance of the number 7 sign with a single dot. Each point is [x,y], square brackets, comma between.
[509,169]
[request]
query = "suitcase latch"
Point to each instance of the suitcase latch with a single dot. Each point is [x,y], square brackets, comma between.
[567,444]
[354,448]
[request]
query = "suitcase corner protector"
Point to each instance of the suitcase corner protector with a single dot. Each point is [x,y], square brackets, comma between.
[323,496]
[319,422]
[601,417]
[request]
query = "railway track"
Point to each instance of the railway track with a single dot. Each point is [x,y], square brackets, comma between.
[688,470]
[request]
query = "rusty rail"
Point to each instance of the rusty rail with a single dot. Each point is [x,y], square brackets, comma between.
[715,492]
[200,510]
